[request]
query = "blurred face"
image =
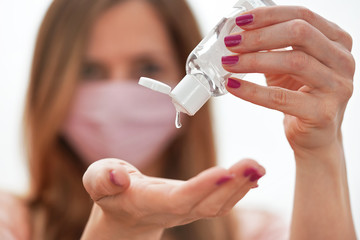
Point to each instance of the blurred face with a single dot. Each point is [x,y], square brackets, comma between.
[130,41]
[117,117]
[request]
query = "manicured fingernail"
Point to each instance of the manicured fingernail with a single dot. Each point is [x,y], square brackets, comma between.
[232,83]
[232,40]
[113,179]
[224,179]
[253,174]
[255,177]
[229,60]
[244,19]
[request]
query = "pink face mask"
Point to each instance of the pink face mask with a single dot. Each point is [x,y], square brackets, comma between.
[119,119]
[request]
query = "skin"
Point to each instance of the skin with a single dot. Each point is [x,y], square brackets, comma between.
[128,204]
[144,51]
[129,41]
[311,85]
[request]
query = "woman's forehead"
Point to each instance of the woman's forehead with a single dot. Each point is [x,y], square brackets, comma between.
[129,27]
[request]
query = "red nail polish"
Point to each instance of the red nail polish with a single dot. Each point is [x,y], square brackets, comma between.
[113,179]
[229,60]
[232,83]
[232,40]
[255,177]
[253,174]
[244,19]
[224,179]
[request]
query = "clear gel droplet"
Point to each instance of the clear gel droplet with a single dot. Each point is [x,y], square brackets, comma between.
[177,120]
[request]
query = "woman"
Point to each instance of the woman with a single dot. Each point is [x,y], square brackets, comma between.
[81,41]
[79,34]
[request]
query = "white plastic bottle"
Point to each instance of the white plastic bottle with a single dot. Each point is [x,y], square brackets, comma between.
[205,76]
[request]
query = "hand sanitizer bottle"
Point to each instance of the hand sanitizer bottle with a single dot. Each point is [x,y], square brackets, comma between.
[205,76]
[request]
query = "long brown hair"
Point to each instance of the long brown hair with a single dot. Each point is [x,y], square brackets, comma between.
[58,203]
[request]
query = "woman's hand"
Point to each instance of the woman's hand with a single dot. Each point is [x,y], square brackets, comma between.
[311,83]
[131,205]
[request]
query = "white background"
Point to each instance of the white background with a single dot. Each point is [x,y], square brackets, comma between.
[242,129]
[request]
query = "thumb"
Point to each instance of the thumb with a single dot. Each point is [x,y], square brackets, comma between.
[106,177]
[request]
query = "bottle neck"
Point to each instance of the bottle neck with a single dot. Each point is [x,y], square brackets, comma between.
[190,94]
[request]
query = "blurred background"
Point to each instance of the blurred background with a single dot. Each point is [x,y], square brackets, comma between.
[242,130]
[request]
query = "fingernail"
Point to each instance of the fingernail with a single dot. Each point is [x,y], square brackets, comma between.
[224,179]
[232,83]
[255,177]
[113,179]
[253,174]
[244,19]
[229,60]
[232,40]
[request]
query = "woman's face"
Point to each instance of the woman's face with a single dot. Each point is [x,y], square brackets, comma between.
[126,42]
[130,41]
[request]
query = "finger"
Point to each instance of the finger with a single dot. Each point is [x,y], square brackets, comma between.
[296,33]
[302,67]
[246,173]
[106,177]
[267,16]
[197,188]
[253,174]
[295,103]
[241,168]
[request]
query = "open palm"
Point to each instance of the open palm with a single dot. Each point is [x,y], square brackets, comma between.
[135,201]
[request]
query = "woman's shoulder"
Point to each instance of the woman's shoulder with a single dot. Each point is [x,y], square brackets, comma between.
[261,225]
[14,217]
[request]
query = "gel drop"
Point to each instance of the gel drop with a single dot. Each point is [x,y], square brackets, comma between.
[178,120]
[205,76]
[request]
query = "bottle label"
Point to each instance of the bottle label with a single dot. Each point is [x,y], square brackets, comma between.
[251,4]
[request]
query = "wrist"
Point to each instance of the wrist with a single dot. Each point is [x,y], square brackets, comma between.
[328,156]
[102,226]
[321,201]
[322,168]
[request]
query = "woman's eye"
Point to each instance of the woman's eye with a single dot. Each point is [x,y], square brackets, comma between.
[150,70]
[92,71]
